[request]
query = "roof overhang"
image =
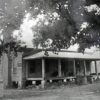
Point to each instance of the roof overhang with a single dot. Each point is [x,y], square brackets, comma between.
[67,55]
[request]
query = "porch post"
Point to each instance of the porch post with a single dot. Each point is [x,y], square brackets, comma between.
[43,73]
[84,68]
[74,68]
[90,67]
[85,78]
[27,69]
[96,70]
[59,67]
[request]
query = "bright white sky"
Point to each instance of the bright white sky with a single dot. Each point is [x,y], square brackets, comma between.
[93,7]
[27,27]
[26,30]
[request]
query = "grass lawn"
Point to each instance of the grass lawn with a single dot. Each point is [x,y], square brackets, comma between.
[83,92]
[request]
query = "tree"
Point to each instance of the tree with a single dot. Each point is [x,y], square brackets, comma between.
[91,35]
[56,23]
[11,15]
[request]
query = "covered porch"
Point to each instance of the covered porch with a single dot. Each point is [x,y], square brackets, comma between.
[48,69]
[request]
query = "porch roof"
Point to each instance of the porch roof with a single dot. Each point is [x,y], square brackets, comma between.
[70,55]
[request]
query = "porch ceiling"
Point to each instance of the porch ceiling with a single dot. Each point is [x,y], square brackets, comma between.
[70,55]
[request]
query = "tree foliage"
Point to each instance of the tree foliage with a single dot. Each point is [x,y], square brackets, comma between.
[60,28]
[91,35]
[11,15]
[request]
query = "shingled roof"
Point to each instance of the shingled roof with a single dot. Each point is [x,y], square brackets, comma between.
[64,54]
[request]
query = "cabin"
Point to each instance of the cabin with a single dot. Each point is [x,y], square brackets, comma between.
[47,66]
[39,67]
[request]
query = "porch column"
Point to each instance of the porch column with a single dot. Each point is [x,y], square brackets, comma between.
[84,68]
[85,78]
[90,67]
[43,73]
[96,70]
[74,68]
[59,67]
[27,69]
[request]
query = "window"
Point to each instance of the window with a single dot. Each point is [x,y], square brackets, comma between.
[31,67]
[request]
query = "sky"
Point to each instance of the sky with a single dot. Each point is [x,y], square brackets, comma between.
[29,24]
[26,30]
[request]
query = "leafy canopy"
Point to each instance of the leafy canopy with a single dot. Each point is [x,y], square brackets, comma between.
[54,23]
[91,35]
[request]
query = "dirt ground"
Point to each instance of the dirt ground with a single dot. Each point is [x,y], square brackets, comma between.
[84,92]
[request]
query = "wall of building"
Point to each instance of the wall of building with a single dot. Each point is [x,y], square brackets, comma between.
[17,69]
[93,66]
[1,79]
[98,66]
[5,69]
